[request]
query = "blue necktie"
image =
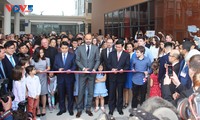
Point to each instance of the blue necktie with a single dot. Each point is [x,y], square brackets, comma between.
[12,62]
[64,58]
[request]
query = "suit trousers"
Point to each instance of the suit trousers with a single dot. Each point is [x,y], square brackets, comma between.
[65,87]
[32,105]
[139,93]
[113,99]
[84,79]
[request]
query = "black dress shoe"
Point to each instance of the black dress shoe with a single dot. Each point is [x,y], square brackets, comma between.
[110,113]
[71,113]
[89,112]
[131,115]
[121,112]
[60,113]
[38,115]
[78,115]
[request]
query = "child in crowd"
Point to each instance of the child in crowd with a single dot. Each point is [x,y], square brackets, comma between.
[100,90]
[52,84]
[19,86]
[154,84]
[34,88]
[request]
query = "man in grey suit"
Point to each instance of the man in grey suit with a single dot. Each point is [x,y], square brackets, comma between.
[87,59]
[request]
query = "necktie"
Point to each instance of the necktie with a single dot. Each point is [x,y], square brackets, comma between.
[118,56]
[88,50]
[108,52]
[64,58]
[1,67]
[12,62]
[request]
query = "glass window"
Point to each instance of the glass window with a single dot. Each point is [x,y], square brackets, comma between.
[134,15]
[89,7]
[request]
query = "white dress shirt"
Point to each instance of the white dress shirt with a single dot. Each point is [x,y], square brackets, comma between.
[33,85]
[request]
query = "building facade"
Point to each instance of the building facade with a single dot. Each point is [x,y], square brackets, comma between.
[124,18]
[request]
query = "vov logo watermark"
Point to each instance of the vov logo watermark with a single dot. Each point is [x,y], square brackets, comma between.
[18,8]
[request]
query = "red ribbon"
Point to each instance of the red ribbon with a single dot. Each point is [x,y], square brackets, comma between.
[90,72]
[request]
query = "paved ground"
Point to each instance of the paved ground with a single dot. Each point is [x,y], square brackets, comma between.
[84,116]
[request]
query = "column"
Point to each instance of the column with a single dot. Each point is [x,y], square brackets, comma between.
[27,27]
[17,23]
[7,21]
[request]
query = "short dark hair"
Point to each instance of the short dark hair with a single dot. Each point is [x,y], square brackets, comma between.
[74,40]
[141,49]
[29,69]
[168,44]
[1,47]
[129,43]
[186,45]
[17,73]
[8,44]
[64,43]
[21,45]
[23,61]
[141,37]
[120,41]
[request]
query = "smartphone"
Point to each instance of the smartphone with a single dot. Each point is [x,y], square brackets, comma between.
[170,70]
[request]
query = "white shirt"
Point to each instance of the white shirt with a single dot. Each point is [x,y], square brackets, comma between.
[33,85]
[19,90]
[154,51]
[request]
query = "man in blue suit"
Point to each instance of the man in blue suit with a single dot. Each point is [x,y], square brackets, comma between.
[9,61]
[184,70]
[65,61]
[164,60]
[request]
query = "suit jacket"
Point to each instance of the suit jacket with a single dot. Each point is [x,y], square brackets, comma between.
[188,82]
[123,63]
[51,52]
[104,58]
[69,65]
[83,61]
[8,69]
[184,93]
[163,60]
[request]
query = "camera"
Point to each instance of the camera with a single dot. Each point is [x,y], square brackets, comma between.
[4,93]
[22,106]
[170,70]
[189,108]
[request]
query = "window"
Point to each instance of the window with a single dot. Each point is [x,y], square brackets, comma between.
[89,7]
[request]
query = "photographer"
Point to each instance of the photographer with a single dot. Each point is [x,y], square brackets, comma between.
[7,114]
[183,91]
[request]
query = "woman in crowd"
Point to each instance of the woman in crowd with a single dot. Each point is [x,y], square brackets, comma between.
[154,47]
[161,51]
[41,64]
[128,84]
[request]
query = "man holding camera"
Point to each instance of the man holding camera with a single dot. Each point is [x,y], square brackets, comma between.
[181,89]
[7,114]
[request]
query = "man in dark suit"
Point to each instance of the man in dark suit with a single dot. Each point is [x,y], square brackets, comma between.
[49,51]
[118,61]
[2,56]
[87,59]
[65,61]
[9,61]
[174,57]
[104,60]
[164,60]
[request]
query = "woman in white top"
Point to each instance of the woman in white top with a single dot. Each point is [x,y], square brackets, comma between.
[154,48]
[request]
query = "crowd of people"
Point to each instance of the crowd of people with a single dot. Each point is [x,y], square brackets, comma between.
[29,63]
